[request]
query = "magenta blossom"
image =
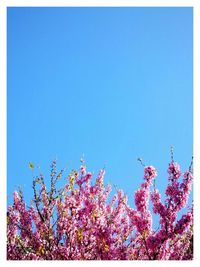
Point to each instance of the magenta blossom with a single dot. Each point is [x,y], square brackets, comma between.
[81,221]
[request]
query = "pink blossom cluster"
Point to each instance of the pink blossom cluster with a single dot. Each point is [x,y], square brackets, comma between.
[81,221]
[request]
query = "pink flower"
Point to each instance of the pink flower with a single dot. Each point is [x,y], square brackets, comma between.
[83,170]
[142,199]
[174,171]
[82,222]
[149,173]
[184,223]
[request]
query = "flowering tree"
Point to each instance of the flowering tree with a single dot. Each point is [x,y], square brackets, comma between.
[81,222]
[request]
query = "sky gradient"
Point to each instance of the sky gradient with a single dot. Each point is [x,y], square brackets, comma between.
[113,84]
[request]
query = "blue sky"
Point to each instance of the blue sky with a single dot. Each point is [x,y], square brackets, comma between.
[113,84]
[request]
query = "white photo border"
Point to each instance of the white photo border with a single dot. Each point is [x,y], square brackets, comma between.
[3,115]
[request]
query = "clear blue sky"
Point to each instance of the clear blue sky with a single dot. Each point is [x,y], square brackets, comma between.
[112,83]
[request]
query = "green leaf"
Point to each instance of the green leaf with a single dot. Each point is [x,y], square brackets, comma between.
[31,166]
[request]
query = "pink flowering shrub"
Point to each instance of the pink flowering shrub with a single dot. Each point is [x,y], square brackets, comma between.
[81,222]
